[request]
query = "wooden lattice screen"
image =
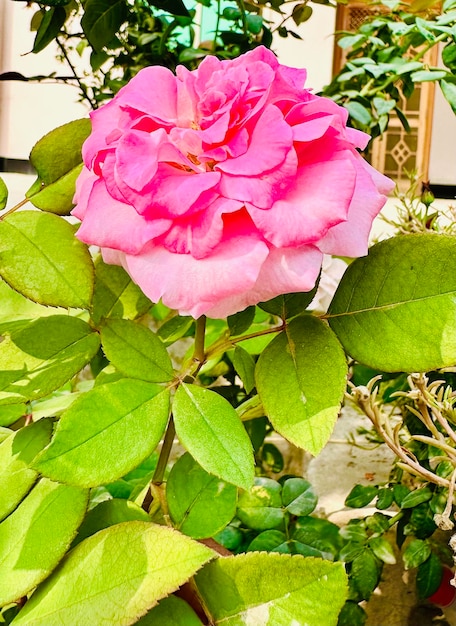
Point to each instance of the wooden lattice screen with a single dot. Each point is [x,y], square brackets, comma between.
[397,151]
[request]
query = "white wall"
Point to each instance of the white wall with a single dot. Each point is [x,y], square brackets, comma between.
[315,51]
[29,110]
[442,165]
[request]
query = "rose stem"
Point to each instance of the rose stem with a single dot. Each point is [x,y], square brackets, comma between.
[198,358]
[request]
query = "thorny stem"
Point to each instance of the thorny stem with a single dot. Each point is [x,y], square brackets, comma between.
[164,453]
[157,480]
[225,344]
[217,26]
[198,351]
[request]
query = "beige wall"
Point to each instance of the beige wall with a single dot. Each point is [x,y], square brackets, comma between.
[28,110]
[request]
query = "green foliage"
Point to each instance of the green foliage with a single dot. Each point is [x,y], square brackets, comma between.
[17,452]
[136,351]
[120,37]
[288,374]
[386,60]
[116,575]
[404,292]
[3,194]
[200,505]
[35,537]
[41,258]
[58,162]
[285,585]
[40,355]
[203,416]
[125,419]
[96,387]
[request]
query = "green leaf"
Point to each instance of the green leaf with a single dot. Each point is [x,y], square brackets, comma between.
[352,615]
[11,413]
[298,496]
[109,513]
[101,21]
[361,495]
[358,112]
[449,55]
[319,534]
[288,589]
[52,21]
[383,106]
[383,550]
[116,295]
[269,541]
[230,537]
[429,576]
[210,429]
[3,194]
[254,23]
[428,75]
[271,458]
[171,611]
[378,522]
[365,573]
[175,7]
[57,197]
[403,293]
[106,433]
[200,504]
[41,258]
[57,160]
[449,91]
[260,508]
[136,351]
[175,328]
[240,322]
[416,553]
[416,497]
[43,354]
[385,498]
[301,13]
[354,531]
[290,304]
[16,454]
[244,364]
[301,378]
[34,538]
[350,551]
[115,576]
[16,307]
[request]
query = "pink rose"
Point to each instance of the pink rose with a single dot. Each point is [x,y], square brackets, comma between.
[222,187]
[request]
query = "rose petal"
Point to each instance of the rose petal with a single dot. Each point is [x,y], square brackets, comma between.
[318,200]
[270,142]
[285,270]
[261,191]
[153,91]
[351,238]
[113,224]
[137,157]
[199,233]
[194,286]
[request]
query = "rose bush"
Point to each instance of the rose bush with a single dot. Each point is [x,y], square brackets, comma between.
[223,187]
